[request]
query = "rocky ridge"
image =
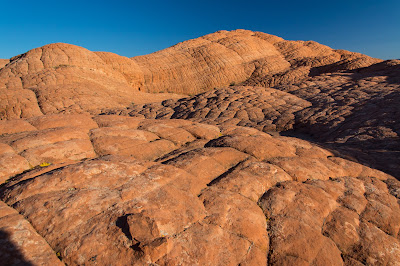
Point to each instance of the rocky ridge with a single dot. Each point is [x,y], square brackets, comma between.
[179,192]
[63,78]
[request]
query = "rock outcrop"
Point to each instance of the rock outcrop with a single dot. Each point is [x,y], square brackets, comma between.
[97,169]
[3,62]
[63,78]
[206,195]
[353,112]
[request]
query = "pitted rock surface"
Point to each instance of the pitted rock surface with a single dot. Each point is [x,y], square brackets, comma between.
[355,112]
[261,108]
[352,111]
[216,195]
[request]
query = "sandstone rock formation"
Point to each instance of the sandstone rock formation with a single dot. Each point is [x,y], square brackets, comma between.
[63,78]
[206,195]
[3,62]
[352,111]
[264,109]
[94,169]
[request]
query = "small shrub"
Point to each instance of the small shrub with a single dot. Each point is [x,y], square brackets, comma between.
[232,83]
[44,164]
[62,65]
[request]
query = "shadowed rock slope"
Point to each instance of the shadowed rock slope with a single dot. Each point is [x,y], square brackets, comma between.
[124,190]
[63,78]
[355,112]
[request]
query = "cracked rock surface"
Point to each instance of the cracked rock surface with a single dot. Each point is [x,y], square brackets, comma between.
[207,195]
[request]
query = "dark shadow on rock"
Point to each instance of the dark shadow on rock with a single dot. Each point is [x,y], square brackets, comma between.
[10,254]
[362,152]
[389,68]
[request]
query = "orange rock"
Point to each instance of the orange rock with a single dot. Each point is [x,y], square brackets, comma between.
[10,163]
[63,78]
[20,243]
[14,126]
[55,121]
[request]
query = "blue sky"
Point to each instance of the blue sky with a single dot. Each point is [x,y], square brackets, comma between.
[133,28]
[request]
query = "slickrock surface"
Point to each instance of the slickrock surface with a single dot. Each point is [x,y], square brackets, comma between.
[212,179]
[225,57]
[3,62]
[20,243]
[354,112]
[208,195]
[264,109]
[63,78]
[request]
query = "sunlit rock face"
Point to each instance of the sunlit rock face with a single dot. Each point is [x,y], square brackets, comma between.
[64,78]
[272,161]
[115,190]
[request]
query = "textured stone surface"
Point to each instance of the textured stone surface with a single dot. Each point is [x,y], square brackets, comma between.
[10,162]
[3,62]
[264,109]
[322,222]
[353,112]
[63,78]
[20,243]
[138,186]
[219,195]
[14,126]
[356,112]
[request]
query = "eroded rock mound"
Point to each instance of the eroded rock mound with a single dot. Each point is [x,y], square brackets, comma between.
[262,108]
[207,195]
[356,112]
[63,78]
[352,111]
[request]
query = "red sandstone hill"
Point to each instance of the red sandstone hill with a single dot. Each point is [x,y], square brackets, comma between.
[98,167]
[63,78]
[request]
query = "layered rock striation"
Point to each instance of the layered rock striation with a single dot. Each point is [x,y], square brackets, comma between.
[63,78]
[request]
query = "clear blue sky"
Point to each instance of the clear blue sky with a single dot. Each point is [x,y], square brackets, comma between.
[133,28]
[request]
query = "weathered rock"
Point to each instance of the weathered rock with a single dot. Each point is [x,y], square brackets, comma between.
[63,78]
[55,121]
[20,243]
[10,162]
[308,219]
[3,62]
[263,108]
[14,126]
[154,189]
[122,122]
[53,145]
[227,197]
